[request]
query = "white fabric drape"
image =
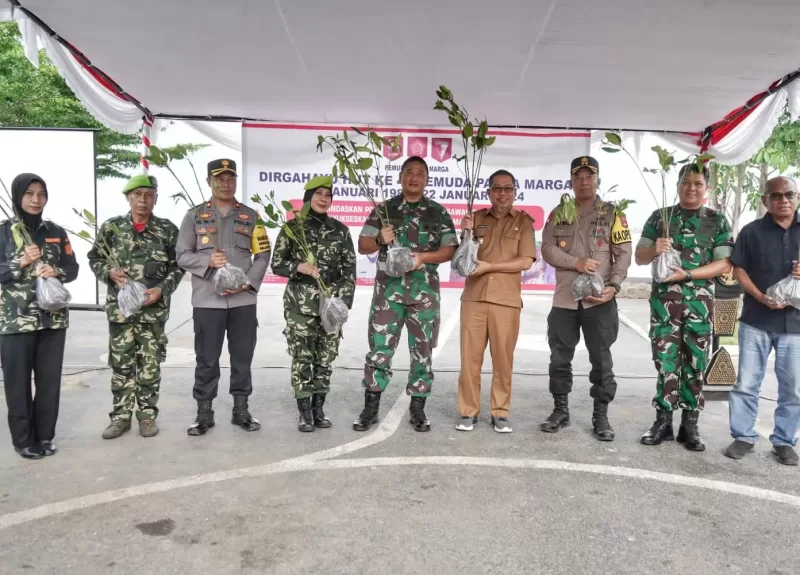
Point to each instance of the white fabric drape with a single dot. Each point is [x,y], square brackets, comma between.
[111,111]
[231,136]
[747,138]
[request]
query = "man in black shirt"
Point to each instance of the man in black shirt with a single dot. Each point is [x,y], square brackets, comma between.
[766,252]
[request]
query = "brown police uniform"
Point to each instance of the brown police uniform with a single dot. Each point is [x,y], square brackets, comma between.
[597,233]
[490,309]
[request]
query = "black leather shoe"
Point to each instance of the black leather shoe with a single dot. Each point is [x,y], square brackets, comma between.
[48,448]
[369,415]
[204,420]
[34,452]
[560,416]
[417,418]
[600,425]
[661,429]
[320,419]
[241,414]
[306,421]
[688,434]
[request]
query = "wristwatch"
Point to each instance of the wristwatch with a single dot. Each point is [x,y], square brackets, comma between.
[688,276]
[378,240]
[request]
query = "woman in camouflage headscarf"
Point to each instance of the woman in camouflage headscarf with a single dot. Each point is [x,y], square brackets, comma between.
[311,347]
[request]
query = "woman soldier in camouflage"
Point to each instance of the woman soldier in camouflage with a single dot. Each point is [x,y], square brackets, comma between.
[312,349]
[32,339]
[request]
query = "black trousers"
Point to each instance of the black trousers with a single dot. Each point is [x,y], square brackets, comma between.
[210,327]
[32,419]
[600,326]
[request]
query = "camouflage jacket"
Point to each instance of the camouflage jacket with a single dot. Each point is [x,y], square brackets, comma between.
[701,236]
[332,245]
[147,257]
[425,226]
[19,311]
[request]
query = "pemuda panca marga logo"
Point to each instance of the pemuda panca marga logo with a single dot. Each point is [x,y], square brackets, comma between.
[392,154]
[418,146]
[442,149]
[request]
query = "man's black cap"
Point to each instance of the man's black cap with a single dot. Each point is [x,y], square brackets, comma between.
[585,162]
[217,167]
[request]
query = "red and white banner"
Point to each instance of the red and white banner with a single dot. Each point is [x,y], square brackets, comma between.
[283,157]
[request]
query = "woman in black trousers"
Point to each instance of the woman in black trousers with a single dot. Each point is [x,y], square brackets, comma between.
[32,339]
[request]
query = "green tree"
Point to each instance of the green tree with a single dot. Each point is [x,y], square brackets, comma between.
[40,98]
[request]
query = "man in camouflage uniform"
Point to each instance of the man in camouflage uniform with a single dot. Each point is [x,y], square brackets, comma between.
[311,347]
[427,229]
[144,245]
[682,308]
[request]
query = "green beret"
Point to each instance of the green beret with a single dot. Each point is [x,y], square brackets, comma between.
[140,181]
[320,182]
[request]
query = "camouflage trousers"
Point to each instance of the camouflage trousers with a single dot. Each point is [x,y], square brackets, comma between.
[681,334]
[135,354]
[313,351]
[386,320]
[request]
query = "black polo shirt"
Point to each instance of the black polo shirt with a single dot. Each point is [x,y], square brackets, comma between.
[766,252]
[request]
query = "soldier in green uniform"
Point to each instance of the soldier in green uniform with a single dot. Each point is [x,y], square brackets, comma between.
[311,347]
[31,339]
[144,245]
[682,308]
[425,227]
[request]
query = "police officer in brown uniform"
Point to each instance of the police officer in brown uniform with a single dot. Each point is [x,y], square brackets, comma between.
[492,301]
[596,241]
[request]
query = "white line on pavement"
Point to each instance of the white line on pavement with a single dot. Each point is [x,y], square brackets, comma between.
[633,326]
[304,464]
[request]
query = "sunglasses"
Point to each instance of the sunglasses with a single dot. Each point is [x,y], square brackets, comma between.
[777,196]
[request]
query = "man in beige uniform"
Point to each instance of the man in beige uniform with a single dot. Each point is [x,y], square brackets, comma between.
[492,301]
[597,241]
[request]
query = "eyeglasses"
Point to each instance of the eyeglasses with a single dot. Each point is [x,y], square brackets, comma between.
[777,196]
[502,189]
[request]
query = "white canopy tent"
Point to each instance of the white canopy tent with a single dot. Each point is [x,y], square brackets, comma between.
[678,66]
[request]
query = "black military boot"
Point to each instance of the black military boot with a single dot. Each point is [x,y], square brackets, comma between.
[600,425]
[369,415]
[306,422]
[204,420]
[560,416]
[320,420]
[661,430]
[241,414]
[417,417]
[688,434]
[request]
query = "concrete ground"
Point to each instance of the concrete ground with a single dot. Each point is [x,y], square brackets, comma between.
[392,500]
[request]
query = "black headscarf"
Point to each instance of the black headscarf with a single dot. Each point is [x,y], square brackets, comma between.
[18,188]
[307,198]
